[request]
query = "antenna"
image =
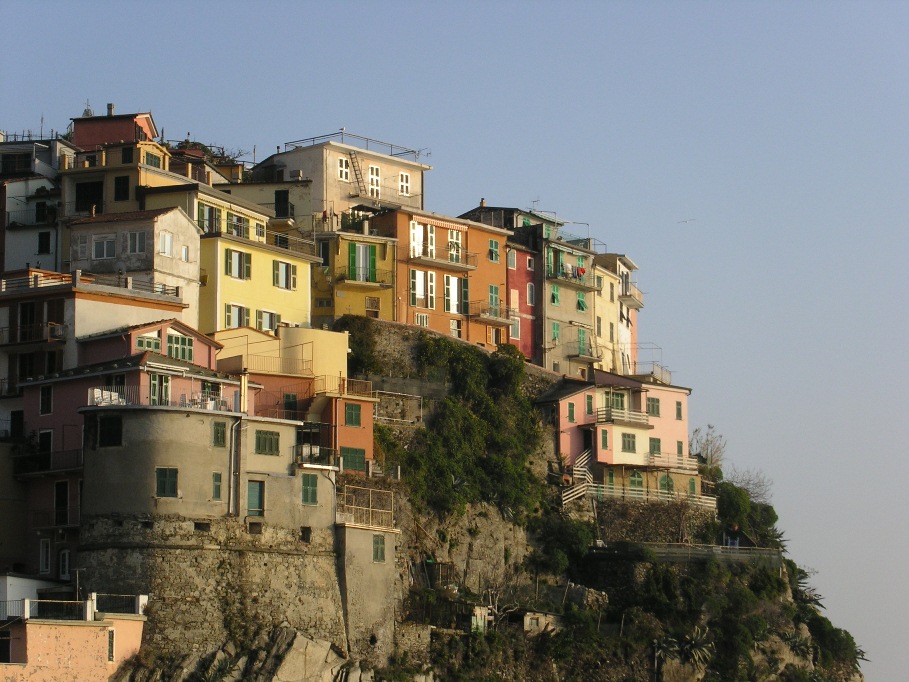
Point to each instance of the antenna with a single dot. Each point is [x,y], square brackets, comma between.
[88,110]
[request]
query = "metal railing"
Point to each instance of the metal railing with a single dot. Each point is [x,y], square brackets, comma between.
[31,333]
[116,603]
[62,460]
[612,414]
[319,455]
[586,350]
[14,608]
[672,460]
[57,517]
[442,254]
[488,310]
[123,282]
[631,296]
[342,386]
[106,396]
[365,276]
[56,610]
[604,491]
[266,364]
[688,553]
[366,507]
[36,280]
[32,216]
[571,275]
[344,137]
[651,369]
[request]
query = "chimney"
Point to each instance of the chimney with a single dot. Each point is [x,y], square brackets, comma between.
[110,108]
[483,202]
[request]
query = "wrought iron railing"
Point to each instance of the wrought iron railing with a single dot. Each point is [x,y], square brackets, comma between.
[365,275]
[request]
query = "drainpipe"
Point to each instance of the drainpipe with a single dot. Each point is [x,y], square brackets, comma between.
[233,457]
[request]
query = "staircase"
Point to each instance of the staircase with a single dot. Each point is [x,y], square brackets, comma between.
[358,173]
[582,478]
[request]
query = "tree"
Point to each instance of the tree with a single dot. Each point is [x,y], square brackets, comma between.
[755,482]
[710,448]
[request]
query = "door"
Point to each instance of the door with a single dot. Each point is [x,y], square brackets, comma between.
[61,503]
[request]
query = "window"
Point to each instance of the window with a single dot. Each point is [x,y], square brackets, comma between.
[555,332]
[110,431]
[679,448]
[589,404]
[494,250]
[454,328]
[692,490]
[678,409]
[636,480]
[136,242]
[166,244]
[454,246]
[180,347]
[604,439]
[121,188]
[512,259]
[219,434]
[374,182]
[582,301]
[531,294]
[235,316]
[352,414]
[323,303]
[530,264]
[344,170]
[267,442]
[612,292]
[46,402]
[237,264]
[209,218]
[629,443]
[284,275]
[354,458]
[610,478]
[655,446]
[184,254]
[455,294]
[599,326]
[110,645]
[152,160]
[237,225]
[612,331]
[310,488]
[44,242]
[571,412]
[44,556]
[63,564]
[361,262]
[255,498]
[152,343]
[555,294]
[166,482]
[421,319]
[159,387]
[515,331]
[618,401]
[126,154]
[280,239]
[216,485]
[103,247]
[378,549]
[666,483]
[422,289]
[493,297]
[404,184]
[653,407]
[267,321]
[599,284]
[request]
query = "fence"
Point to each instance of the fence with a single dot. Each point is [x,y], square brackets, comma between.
[366,507]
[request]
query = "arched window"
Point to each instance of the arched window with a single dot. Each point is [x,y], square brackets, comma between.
[666,483]
[636,480]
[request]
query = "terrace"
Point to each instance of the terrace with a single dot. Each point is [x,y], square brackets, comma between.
[134,396]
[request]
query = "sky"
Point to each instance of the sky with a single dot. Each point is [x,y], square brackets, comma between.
[775,130]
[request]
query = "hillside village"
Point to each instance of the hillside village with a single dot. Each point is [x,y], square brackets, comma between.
[214,376]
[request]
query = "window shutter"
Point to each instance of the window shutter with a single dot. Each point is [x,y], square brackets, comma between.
[200,214]
[464,304]
[372,263]
[277,320]
[413,287]
[259,320]
[293,276]
[447,306]
[216,226]
[226,315]
[227,253]
[431,289]
[275,272]
[247,265]
[352,261]
[431,241]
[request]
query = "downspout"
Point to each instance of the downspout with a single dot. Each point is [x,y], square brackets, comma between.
[233,456]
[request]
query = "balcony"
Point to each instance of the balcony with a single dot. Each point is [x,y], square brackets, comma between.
[608,415]
[282,210]
[573,276]
[31,333]
[47,462]
[652,370]
[266,364]
[497,315]
[131,396]
[671,460]
[34,216]
[342,386]
[365,277]
[450,257]
[308,455]
[366,507]
[631,296]
[55,517]
[585,352]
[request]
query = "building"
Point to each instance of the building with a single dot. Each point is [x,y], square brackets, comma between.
[630,299]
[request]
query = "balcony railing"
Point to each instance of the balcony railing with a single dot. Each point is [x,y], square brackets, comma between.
[35,215]
[57,517]
[570,274]
[672,460]
[584,350]
[31,333]
[365,276]
[106,396]
[122,282]
[42,462]
[316,455]
[366,507]
[57,610]
[606,415]
[651,369]
[285,210]
[488,311]
[14,608]
[266,364]
[342,386]
[601,491]
[456,258]
[631,296]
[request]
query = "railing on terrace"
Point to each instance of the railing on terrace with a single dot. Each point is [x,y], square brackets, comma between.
[40,462]
[487,310]
[366,507]
[688,553]
[266,364]
[589,243]
[319,455]
[631,296]
[572,275]
[456,257]
[103,396]
[56,610]
[117,603]
[37,280]
[612,414]
[365,276]
[342,386]
[672,460]
[586,350]
[602,491]
[35,215]
[122,282]
[59,517]
[31,333]
[344,137]
[651,369]
[14,608]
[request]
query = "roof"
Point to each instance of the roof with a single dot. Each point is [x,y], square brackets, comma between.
[123,217]
[172,321]
[209,191]
[564,388]
[512,209]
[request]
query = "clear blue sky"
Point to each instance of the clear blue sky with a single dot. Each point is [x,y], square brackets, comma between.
[780,127]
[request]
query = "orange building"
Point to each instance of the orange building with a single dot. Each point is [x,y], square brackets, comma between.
[451,274]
